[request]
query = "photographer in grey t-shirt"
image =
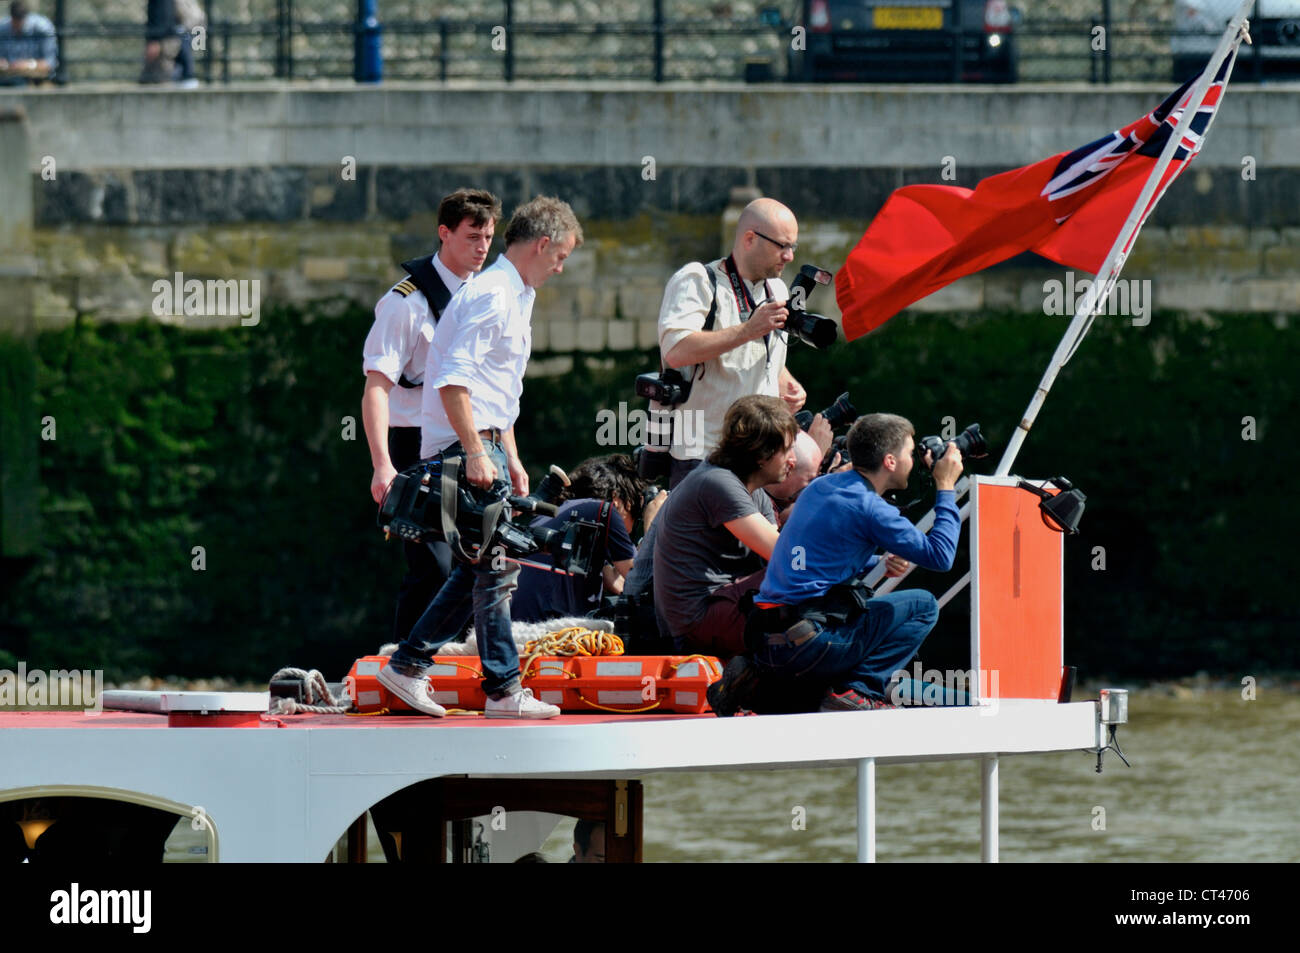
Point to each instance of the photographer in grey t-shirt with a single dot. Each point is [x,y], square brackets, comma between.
[718,527]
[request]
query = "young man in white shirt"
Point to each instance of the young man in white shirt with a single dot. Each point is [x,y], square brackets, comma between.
[473,381]
[394,358]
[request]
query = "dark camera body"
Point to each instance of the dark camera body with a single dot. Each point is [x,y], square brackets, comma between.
[652,463]
[669,387]
[838,414]
[839,445]
[413,510]
[813,329]
[970,442]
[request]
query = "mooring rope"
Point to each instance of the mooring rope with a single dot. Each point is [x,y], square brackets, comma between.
[318,700]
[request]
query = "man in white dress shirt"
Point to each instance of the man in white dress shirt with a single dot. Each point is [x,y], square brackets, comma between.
[393,360]
[744,353]
[473,380]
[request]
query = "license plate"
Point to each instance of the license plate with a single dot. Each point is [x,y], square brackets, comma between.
[907,18]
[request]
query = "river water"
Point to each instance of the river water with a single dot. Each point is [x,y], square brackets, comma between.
[1214,777]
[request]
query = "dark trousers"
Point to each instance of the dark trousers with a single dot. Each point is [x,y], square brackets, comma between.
[185,58]
[722,630]
[427,564]
[863,654]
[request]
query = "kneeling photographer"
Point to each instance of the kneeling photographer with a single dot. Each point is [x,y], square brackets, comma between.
[718,526]
[814,620]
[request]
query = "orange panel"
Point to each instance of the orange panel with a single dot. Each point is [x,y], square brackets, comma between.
[1017,595]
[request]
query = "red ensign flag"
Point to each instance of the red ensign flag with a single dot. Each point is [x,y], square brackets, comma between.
[1068,208]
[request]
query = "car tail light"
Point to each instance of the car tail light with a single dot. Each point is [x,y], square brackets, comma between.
[819,17]
[997,17]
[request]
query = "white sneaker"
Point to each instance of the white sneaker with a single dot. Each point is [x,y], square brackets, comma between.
[412,689]
[521,704]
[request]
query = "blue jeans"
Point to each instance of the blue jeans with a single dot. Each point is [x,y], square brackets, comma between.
[862,654]
[479,589]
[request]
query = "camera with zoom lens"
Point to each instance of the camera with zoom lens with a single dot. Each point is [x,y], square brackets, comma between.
[970,442]
[839,414]
[814,329]
[669,387]
[434,501]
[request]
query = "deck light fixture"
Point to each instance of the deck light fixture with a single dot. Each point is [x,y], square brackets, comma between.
[1113,705]
[1061,511]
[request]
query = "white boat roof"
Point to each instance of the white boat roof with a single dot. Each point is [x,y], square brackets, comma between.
[288,790]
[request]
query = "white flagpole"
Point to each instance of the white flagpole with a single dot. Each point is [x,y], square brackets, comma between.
[1114,261]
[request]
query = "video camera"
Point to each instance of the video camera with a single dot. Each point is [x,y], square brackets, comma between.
[434,501]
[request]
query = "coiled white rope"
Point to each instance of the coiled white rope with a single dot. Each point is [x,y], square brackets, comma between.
[318,701]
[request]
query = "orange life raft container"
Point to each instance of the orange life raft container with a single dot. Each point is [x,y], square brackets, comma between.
[619,683]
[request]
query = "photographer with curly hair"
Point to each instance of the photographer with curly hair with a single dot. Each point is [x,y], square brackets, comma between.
[718,526]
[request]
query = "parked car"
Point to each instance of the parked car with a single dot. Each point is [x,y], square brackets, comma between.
[903,41]
[1274,33]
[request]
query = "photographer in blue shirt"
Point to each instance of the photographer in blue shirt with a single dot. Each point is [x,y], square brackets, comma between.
[813,618]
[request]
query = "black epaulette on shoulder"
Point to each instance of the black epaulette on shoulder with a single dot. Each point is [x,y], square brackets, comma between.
[404,287]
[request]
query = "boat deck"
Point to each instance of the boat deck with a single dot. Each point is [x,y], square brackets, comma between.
[287,788]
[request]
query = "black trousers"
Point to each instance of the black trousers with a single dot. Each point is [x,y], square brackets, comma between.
[427,564]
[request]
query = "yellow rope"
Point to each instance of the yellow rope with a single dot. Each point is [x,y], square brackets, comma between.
[714,666]
[574,640]
[622,711]
[443,660]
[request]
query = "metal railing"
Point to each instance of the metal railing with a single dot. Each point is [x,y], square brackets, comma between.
[291,41]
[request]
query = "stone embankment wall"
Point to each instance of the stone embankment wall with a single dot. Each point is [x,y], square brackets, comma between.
[319,192]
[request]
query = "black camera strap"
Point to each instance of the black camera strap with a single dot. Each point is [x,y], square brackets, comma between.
[709,318]
[745,304]
[744,300]
[697,370]
[492,513]
[447,514]
[604,517]
[430,284]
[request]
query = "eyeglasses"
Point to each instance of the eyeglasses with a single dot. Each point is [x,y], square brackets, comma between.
[781,245]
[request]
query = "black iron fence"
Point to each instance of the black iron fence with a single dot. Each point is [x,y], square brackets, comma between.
[664,41]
